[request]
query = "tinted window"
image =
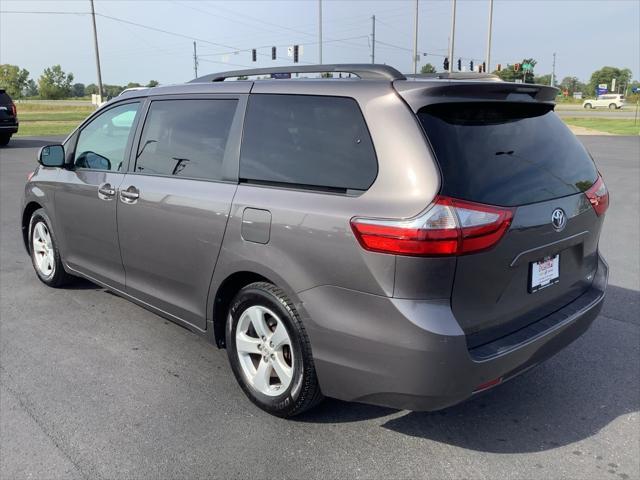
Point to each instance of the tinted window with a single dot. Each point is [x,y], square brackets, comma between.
[506,154]
[102,143]
[185,138]
[307,140]
[5,99]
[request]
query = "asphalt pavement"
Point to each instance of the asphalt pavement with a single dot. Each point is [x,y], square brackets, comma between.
[93,386]
[569,110]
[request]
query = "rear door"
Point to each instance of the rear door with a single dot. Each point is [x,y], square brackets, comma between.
[174,203]
[517,155]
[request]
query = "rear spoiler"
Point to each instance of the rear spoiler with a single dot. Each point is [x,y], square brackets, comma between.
[418,94]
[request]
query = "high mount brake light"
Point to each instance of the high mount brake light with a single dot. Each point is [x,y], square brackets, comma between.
[448,227]
[598,195]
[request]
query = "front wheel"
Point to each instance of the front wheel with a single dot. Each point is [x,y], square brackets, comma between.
[612,106]
[45,255]
[269,351]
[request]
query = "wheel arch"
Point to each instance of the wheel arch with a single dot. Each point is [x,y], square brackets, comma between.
[26,218]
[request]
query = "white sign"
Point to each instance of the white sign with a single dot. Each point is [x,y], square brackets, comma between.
[602,85]
[613,85]
[577,95]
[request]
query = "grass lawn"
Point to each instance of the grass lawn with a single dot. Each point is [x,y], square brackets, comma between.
[37,119]
[610,125]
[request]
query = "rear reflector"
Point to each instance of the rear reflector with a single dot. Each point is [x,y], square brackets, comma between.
[448,227]
[487,385]
[14,111]
[598,195]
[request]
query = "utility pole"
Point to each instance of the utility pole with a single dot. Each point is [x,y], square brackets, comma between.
[488,60]
[95,44]
[195,60]
[320,30]
[553,71]
[453,34]
[373,39]
[415,42]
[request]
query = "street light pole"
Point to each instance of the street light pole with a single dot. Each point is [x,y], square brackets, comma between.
[553,71]
[373,39]
[453,34]
[95,44]
[488,59]
[415,42]
[320,30]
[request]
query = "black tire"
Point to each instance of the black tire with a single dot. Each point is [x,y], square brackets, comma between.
[588,105]
[4,140]
[58,277]
[304,391]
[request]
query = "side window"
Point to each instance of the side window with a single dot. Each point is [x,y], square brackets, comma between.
[307,140]
[102,143]
[185,138]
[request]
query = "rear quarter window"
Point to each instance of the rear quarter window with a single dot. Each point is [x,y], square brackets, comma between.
[309,141]
[506,153]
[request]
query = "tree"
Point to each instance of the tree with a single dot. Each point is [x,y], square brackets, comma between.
[91,89]
[428,68]
[31,89]
[571,85]
[133,85]
[509,73]
[543,79]
[54,83]
[13,79]
[78,90]
[153,83]
[606,74]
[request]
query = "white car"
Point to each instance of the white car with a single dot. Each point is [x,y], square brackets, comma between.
[612,101]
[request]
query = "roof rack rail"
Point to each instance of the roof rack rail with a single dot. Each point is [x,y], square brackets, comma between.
[456,76]
[366,71]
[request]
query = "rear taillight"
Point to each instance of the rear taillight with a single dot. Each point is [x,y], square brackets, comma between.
[448,227]
[14,110]
[598,195]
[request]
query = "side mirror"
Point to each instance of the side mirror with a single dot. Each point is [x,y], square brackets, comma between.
[51,156]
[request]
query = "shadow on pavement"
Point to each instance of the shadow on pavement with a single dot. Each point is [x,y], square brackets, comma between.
[31,142]
[567,399]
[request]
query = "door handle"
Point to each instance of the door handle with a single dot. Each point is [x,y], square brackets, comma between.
[130,194]
[106,191]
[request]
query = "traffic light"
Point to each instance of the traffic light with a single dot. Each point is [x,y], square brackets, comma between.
[445,64]
[516,67]
[273,53]
[253,55]
[499,67]
[471,65]
[484,67]
[459,64]
[295,54]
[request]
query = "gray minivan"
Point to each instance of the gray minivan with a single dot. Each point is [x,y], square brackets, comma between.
[407,241]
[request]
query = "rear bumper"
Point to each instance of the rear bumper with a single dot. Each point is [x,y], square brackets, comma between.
[413,355]
[13,128]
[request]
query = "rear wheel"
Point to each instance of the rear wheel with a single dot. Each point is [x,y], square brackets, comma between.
[588,105]
[4,139]
[269,351]
[45,255]
[612,106]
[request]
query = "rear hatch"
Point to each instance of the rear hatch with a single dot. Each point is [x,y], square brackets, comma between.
[7,109]
[516,154]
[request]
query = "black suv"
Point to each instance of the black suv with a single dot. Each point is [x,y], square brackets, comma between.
[8,117]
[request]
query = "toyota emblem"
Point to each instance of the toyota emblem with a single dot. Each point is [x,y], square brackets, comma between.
[558,219]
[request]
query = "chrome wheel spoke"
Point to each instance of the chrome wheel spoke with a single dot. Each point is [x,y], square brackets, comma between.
[283,371]
[262,378]
[259,323]
[279,338]
[247,344]
[42,247]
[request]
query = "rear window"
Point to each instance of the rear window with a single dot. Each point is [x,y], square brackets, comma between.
[506,154]
[308,141]
[5,99]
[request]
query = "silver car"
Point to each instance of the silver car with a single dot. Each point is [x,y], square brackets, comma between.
[407,242]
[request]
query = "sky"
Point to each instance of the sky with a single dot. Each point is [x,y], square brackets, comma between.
[135,46]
